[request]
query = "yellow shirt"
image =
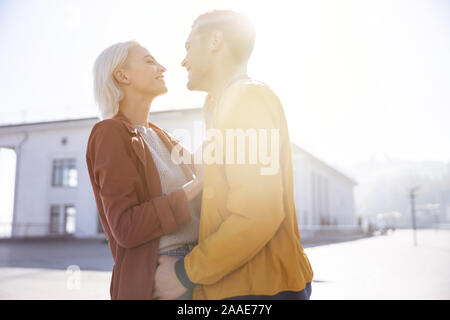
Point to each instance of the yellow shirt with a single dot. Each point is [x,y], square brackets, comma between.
[249,243]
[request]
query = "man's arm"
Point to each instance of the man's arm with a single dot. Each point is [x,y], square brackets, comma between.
[254,201]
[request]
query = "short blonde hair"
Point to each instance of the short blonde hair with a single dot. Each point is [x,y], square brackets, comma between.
[107,92]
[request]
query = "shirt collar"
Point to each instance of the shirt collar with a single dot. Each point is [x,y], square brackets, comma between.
[210,102]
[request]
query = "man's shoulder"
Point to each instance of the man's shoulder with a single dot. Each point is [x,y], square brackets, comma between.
[248,87]
[250,101]
[249,92]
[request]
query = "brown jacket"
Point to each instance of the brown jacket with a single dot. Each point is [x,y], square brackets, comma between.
[132,209]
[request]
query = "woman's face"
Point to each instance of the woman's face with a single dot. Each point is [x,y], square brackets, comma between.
[143,73]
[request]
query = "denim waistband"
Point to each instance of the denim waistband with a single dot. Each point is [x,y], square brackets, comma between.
[180,251]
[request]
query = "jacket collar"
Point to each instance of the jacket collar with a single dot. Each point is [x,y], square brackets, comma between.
[132,129]
[126,122]
[170,143]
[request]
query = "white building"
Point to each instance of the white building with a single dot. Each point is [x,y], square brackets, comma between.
[53,194]
[324,197]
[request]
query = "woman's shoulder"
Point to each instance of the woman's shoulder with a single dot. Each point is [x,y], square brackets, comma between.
[109,126]
[108,137]
[107,130]
[107,123]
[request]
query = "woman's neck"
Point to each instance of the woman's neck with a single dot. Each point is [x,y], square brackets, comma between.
[136,109]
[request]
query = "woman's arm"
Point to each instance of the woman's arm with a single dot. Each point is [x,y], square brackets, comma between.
[113,170]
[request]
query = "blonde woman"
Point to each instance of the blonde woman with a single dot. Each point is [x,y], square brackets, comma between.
[146,203]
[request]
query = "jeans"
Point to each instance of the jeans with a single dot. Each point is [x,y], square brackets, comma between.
[304,294]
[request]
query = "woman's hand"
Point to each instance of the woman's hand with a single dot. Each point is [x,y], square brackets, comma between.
[199,173]
[198,160]
[193,187]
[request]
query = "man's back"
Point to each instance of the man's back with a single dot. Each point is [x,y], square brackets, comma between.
[249,242]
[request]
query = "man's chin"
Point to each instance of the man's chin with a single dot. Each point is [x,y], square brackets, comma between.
[192,87]
[189,86]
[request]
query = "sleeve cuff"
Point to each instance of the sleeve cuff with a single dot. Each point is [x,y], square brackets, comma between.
[182,275]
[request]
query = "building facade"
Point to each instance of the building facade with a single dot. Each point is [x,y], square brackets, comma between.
[53,194]
[324,196]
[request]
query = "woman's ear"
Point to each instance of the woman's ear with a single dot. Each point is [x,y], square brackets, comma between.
[215,40]
[121,76]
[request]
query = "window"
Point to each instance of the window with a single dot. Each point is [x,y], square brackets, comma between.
[54,218]
[65,173]
[69,219]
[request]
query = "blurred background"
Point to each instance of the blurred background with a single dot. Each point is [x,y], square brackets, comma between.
[365,89]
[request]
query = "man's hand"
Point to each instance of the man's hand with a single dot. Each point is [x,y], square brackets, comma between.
[167,285]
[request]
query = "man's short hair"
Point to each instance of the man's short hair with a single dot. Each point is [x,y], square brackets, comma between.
[238,30]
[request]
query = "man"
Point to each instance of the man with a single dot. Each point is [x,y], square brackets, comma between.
[249,243]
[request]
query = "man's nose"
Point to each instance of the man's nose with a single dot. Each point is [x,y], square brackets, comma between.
[183,63]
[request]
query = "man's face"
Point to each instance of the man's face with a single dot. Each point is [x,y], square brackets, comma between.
[197,62]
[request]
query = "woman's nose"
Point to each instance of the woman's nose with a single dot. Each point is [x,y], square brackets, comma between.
[183,63]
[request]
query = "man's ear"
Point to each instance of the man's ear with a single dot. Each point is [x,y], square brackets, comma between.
[215,40]
[120,76]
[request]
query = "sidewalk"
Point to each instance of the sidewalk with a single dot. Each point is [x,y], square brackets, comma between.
[44,284]
[55,269]
[381,267]
[384,267]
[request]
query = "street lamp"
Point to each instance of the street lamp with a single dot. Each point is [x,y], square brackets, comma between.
[412,195]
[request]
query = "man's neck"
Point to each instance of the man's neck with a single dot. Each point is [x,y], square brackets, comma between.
[225,80]
[215,94]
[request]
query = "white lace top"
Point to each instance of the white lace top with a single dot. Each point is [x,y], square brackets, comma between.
[172,177]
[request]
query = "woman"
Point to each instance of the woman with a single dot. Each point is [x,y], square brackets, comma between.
[146,203]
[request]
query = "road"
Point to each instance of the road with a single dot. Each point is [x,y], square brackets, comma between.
[380,267]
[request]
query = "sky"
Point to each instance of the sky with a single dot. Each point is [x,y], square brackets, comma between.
[356,78]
